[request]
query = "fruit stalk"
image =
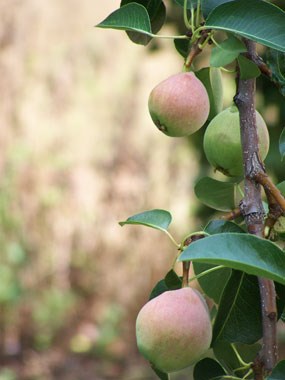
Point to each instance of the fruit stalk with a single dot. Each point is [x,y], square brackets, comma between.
[252,209]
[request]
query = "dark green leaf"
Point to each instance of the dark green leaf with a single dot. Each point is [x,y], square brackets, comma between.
[207,369]
[244,252]
[189,3]
[281,187]
[211,77]
[132,17]
[239,312]
[282,144]
[159,288]
[283,316]
[276,62]
[222,226]
[279,372]
[247,68]
[209,5]
[156,11]
[158,219]
[160,374]
[227,51]
[172,280]
[216,194]
[280,298]
[213,283]
[182,46]
[227,357]
[257,20]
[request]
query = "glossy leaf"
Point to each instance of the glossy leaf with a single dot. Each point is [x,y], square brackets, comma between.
[276,62]
[227,357]
[207,369]
[227,51]
[158,219]
[182,46]
[216,194]
[278,372]
[257,20]
[282,144]
[211,78]
[157,13]
[239,313]
[244,252]
[248,69]
[209,5]
[222,226]
[131,16]
[213,283]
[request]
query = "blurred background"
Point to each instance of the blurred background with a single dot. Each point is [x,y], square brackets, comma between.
[79,153]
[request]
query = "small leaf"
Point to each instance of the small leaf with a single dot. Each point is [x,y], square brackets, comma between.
[281,187]
[172,280]
[157,13]
[282,144]
[213,283]
[243,252]
[158,219]
[211,78]
[131,16]
[276,62]
[248,69]
[182,46]
[278,372]
[159,288]
[239,312]
[257,20]
[160,374]
[227,52]
[222,226]
[216,194]
[207,369]
[227,357]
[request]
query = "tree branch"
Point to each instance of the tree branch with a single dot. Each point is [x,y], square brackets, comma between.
[252,209]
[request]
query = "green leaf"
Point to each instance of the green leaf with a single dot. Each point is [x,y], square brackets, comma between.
[280,298]
[244,252]
[158,219]
[257,20]
[282,144]
[182,46]
[157,13]
[276,62]
[278,372]
[160,374]
[189,2]
[248,69]
[213,283]
[227,51]
[239,313]
[209,5]
[172,280]
[132,17]
[216,194]
[159,288]
[222,226]
[281,187]
[207,369]
[211,78]
[227,357]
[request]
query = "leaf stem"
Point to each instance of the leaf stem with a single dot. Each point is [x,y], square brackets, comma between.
[198,13]
[185,15]
[243,363]
[206,272]
[177,245]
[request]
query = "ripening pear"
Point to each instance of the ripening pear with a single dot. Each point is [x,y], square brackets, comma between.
[222,142]
[174,329]
[179,105]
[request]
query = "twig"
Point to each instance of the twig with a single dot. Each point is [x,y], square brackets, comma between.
[252,209]
[231,215]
